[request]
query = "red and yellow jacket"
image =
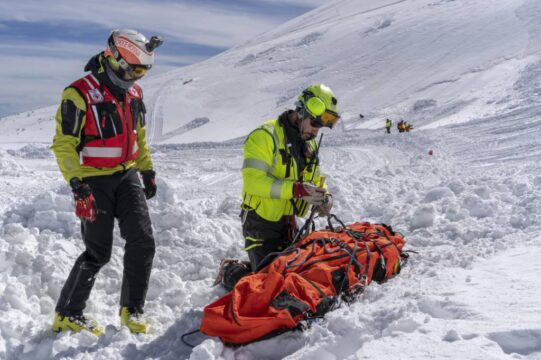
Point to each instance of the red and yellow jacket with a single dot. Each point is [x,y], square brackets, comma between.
[98,135]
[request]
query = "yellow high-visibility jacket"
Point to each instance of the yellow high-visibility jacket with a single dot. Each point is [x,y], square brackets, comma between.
[66,143]
[266,189]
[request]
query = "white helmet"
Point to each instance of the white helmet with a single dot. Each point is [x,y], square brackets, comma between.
[130,53]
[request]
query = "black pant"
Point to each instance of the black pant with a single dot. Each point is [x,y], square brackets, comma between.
[117,196]
[274,236]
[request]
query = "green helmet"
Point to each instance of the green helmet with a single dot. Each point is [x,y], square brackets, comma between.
[321,104]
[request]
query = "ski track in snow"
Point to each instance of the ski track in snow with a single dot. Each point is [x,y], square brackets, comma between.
[457,214]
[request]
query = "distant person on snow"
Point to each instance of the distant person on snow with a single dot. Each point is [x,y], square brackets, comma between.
[400,126]
[281,175]
[407,127]
[388,124]
[100,146]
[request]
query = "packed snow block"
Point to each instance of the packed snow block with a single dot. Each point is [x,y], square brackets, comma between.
[305,282]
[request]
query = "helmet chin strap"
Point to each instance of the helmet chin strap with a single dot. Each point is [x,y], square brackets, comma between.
[301,117]
[301,127]
[301,112]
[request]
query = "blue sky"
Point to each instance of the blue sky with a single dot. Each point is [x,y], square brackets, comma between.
[45,44]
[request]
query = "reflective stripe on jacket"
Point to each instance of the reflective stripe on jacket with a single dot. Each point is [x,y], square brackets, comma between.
[85,147]
[266,189]
[110,136]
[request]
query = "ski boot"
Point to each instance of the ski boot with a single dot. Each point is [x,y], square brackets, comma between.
[134,319]
[76,323]
[230,272]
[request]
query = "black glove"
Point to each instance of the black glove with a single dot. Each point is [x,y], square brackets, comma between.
[149,180]
[80,189]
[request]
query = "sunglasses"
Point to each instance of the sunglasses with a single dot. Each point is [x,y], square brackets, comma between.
[326,119]
[139,70]
[133,71]
[316,122]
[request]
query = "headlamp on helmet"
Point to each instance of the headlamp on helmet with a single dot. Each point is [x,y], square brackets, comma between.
[321,104]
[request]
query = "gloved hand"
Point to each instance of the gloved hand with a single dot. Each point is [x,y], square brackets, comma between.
[325,208]
[149,181]
[310,193]
[85,204]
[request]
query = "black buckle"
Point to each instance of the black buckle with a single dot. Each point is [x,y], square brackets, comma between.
[153,43]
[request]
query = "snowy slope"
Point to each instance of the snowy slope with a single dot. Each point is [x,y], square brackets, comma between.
[430,62]
[472,210]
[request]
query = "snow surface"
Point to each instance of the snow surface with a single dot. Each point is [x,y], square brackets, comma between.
[467,74]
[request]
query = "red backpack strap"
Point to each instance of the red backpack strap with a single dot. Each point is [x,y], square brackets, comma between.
[89,88]
[135,91]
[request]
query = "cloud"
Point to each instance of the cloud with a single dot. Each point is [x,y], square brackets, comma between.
[47,44]
[309,3]
[37,85]
[54,49]
[50,52]
[30,82]
[198,22]
[41,80]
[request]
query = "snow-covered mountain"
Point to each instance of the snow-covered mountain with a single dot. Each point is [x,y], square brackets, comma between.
[466,73]
[430,62]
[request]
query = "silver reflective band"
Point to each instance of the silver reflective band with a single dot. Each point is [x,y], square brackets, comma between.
[89,83]
[256,164]
[135,148]
[276,189]
[97,120]
[272,130]
[76,125]
[101,152]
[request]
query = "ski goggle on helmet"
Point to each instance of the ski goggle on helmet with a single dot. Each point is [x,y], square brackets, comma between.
[321,104]
[129,53]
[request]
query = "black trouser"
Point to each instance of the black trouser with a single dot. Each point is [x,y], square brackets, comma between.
[272,236]
[117,196]
[388,130]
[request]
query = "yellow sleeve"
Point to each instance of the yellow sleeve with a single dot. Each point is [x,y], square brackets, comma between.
[70,120]
[144,161]
[257,167]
